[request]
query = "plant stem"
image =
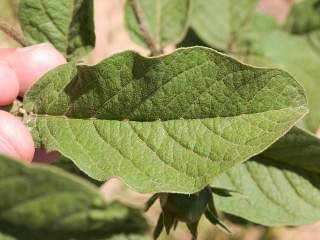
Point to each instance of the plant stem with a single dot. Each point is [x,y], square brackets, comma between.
[14,34]
[144,29]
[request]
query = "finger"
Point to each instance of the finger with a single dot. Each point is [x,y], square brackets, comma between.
[6,52]
[30,63]
[9,85]
[15,138]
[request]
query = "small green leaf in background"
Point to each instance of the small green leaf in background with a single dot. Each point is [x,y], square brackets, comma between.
[67,24]
[280,186]
[166,20]
[42,202]
[219,23]
[304,17]
[165,124]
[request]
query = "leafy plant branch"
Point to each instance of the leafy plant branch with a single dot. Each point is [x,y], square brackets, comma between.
[203,131]
[144,28]
[14,34]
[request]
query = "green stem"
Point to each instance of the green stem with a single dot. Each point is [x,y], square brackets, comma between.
[144,29]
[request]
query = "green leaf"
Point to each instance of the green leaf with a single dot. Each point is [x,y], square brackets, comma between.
[166,124]
[220,23]
[260,25]
[296,145]
[6,237]
[67,24]
[304,17]
[314,40]
[68,166]
[41,202]
[279,49]
[281,186]
[191,39]
[166,20]
[253,31]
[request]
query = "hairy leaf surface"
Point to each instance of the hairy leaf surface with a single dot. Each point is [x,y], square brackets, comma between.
[261,38]
[41,202]
[67,24]
[166,124]
[280,186]
[280,49]
[166,20]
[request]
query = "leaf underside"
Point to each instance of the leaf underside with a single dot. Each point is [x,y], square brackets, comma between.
[166,124]
[67,24]
[280,186]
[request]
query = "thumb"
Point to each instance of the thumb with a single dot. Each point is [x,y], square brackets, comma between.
[31,63]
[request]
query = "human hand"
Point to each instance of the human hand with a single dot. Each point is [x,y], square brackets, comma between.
[19,70]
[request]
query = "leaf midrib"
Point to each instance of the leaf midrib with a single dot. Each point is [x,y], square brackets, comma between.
[36,115]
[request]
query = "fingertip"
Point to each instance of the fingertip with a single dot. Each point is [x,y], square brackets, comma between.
[15,139]
[31,63]
[6,52]
[9,84]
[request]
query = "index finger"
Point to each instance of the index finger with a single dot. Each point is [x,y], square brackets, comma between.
[31,63]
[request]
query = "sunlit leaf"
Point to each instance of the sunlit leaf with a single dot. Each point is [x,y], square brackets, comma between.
[166,124]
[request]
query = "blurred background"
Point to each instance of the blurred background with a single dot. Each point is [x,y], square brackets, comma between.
[112,38]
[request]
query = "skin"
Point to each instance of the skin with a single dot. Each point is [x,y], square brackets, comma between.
[9,82]
[30,63]
[5,52]
[15,139]
[19,70]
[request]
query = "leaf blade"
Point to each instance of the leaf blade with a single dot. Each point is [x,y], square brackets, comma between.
[279,189]
[298,22]
[61,204]
[180,152]
[68,25]
[219,23]
[167,21]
